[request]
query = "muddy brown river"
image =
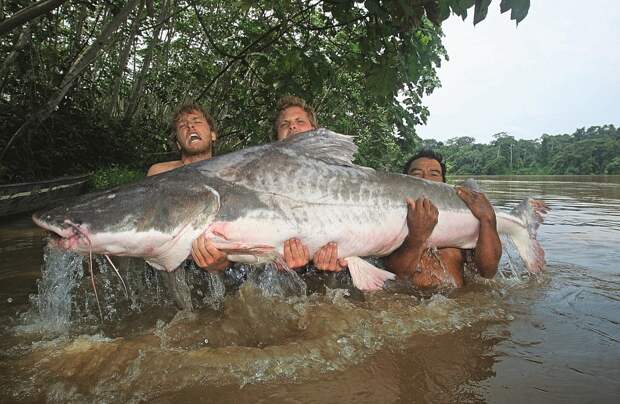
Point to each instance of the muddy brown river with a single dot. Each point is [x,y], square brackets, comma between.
[261,336]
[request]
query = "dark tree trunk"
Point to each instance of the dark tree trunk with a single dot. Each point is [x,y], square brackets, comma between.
[29,13]
[77,68]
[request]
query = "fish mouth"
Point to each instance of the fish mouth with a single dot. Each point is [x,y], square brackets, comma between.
[68,236]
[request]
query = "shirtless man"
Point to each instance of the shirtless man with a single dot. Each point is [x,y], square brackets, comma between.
[411,260]
[294,115]
[194,132]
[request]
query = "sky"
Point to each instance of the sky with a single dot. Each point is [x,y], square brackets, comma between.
[557,71]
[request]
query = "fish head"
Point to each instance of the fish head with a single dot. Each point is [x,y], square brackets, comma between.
[156,218]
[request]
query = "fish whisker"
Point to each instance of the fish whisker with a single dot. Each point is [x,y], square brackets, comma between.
[90,266]
[118,274]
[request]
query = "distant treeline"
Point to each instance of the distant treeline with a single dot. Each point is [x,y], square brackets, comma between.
[595,150]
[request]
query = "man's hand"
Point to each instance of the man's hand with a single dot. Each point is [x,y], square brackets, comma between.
[422,217]
[326,259]
[296,254]
[207,257]
[478,203]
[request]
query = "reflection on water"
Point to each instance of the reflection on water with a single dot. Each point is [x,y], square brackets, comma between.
[551,338]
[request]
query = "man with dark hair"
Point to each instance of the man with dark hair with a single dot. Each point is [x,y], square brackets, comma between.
[417,171]
[414,261]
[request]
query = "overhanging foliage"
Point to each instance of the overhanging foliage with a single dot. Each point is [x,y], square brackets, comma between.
[364,65]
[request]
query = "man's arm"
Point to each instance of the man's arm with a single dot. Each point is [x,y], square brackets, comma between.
[422,217]
[488,250]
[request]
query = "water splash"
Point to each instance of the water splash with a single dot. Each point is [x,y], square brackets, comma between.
[52,306]
[511,267]
[208,289]
[274,282]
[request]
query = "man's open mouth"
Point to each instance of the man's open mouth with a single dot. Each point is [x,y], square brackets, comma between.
[194,137]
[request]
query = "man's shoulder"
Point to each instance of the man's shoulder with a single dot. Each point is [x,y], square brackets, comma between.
[159,168]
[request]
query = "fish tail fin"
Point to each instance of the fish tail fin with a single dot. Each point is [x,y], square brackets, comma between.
[521,225]
[367,276]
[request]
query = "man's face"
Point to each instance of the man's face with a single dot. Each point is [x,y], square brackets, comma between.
[293,120]
[194,136]
[426,168]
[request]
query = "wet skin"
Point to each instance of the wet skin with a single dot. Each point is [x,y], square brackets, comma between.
[412,262]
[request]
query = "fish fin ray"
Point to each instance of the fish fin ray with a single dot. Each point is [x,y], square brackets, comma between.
[325,145]
[521,225]
[471,184]
[367,276]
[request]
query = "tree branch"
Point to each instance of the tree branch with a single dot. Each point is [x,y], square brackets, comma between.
[28,13]
[209,39]
[77,68]
[254,43]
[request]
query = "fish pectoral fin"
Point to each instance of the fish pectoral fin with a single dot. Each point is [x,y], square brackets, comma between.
[155,265]
[367,276]
[244,258]
[471,184]
[252,255]
[236,247]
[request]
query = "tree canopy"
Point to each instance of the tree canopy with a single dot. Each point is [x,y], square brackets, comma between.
[87,84]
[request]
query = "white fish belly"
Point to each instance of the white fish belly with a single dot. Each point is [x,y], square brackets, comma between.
[457,229]
[358,231]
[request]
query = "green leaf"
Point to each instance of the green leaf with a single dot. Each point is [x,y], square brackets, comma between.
[480,10]
[519,8]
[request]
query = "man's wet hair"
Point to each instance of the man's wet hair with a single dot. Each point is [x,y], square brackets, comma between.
[429,154]
[187,108]
[289,101]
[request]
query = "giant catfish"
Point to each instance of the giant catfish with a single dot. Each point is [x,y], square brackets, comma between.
[250,201]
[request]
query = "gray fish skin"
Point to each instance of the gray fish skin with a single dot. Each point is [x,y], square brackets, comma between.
[249,202]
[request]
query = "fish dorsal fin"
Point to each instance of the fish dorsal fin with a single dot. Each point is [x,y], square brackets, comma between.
[323,144]
[471,184]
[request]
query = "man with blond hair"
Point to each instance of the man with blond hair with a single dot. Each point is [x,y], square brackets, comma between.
[194,132]
[293,115]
